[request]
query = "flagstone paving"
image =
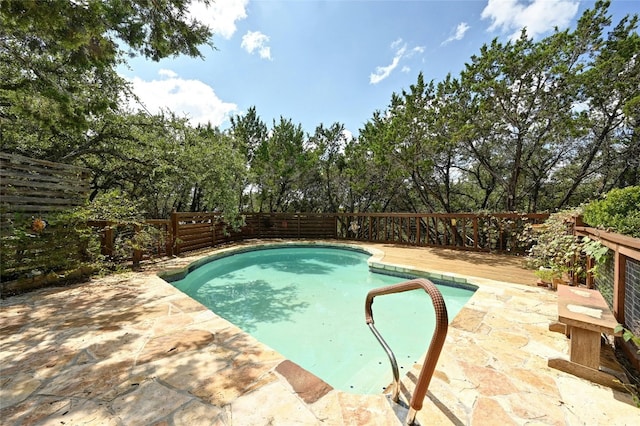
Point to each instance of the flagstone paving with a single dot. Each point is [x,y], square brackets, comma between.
[130,349]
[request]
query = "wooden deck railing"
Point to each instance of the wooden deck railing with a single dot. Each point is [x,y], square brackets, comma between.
[623,295]
[186,232]
[160,244]
[618,280]
[466,231]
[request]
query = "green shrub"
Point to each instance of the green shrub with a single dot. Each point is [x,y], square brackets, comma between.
[53,242]
[62,242]
[556,251]
[555,246]
[618,212]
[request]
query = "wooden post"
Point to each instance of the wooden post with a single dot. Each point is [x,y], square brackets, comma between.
[427,234]
[585,347]
[169,242]
[259,224]
[214,224]
[107,246]
[137,252]
[445,234]
[409,230]
[619,268]
[393,229]
[475,232]
[453,225]
[590,282]
[176,233]
[464,232]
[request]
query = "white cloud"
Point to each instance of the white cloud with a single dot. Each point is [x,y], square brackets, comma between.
[397,44]
[384,72]
[348,136]
[167,73]
[220,16]
[461,29]
[538,16]
[401,52]
[255,40]
[190,98]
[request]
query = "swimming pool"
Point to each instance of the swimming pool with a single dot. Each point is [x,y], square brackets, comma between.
[307,302]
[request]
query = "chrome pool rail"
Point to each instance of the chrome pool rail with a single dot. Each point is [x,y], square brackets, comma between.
[435,347]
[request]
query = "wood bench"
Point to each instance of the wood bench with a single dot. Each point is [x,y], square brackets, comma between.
[585,316]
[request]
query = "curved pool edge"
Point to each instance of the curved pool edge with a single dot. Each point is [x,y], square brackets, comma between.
[375,262]
[175,274]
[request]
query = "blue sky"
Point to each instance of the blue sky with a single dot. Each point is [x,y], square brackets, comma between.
[332,61]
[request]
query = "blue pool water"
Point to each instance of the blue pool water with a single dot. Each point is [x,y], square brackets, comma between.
[308,304]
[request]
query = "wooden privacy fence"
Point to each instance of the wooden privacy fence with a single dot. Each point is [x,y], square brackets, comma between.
[34,187]
[194,231]
[185,232]
[32,194]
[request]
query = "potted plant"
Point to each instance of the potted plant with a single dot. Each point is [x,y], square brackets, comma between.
[546,276]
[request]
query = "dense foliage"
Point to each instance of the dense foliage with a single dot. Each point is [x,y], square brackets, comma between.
[66,245]
[555,246]
[37,247]
[526,126]
[618,211]
[556,251]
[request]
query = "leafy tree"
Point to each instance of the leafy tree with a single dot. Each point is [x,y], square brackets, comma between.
[521,115]
[409,141]
[325,183]
[60,100]
[374,181]
[431,149]
[216,169]
[526,126]
[279,163]
[248,132]
[166,165]
[606,154]
[58,60]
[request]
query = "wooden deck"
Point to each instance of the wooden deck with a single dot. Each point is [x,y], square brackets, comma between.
[497,267]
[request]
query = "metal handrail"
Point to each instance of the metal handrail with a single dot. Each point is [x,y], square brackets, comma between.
[435,347]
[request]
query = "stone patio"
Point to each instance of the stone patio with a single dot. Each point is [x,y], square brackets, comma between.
[130,349]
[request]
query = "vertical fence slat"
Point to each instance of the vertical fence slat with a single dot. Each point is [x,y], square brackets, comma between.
[619,286]
[475,233]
